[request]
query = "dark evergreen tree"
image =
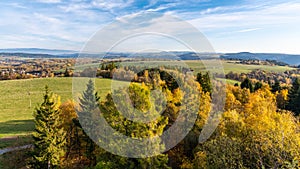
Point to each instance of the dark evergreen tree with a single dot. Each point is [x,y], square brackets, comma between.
[111,66]
[170,81]
[294,96]
[88,115]
[276,87]
[257,86]
[102,66]
[49,138]
[205,82]
[247,84]
[68,73]
[90,99]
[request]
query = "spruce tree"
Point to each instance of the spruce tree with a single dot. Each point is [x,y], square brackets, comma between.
[257,86]
[88,115]
[49,138]
[247,84]
[276,87]
[294,96]
[205,82]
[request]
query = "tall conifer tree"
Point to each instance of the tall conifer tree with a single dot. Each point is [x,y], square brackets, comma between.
[88,114]
[294,96]
[49,138]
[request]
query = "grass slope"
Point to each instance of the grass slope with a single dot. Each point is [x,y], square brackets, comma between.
[15,97]
[234,67]
[204,66]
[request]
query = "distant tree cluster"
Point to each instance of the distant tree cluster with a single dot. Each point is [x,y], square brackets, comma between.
[287,98]
[260,62]
[268,77]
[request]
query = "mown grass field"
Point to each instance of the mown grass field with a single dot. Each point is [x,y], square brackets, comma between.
[198,65]
[205,65]
[234,67]
[18,98]
[16,111]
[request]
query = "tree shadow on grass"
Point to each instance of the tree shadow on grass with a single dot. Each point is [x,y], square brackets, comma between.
[16,127]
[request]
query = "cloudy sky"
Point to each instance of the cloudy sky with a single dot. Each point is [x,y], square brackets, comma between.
[229,25]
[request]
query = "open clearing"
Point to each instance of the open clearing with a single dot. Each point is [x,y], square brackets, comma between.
[198,65]
[18,99]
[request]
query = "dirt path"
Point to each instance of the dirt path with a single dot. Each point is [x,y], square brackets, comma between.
[10,149]
[9,138]
[6,150]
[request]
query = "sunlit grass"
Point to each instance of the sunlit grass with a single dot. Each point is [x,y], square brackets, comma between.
[19,98]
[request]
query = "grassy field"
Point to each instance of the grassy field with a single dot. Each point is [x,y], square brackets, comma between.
[198,65]
[230,81]
[206,65]
[18,98]
[15,141]
[237,68]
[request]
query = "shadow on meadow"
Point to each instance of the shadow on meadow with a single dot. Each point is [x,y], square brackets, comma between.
[16,127]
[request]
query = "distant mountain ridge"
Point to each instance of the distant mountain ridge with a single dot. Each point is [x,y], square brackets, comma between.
[177,55]
[53,53]
[286,58]
[38,51]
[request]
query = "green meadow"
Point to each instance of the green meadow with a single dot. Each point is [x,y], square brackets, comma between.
[234,67]
[198,65]
[18,99]
[205,65]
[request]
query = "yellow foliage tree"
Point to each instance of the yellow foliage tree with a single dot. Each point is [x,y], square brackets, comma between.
[255,135]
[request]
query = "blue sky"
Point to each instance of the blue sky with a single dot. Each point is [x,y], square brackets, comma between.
[229,25]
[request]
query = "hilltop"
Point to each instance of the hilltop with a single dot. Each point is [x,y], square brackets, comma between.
[286,58]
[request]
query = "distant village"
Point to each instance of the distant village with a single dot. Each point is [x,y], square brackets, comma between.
[20,68]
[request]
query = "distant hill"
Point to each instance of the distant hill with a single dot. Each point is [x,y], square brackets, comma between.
[286,58]
[177,55]
[52,53]
[37,55]
[38,51]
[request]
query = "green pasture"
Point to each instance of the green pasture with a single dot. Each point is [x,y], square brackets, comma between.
[198,65]
[18,99]
[213,66]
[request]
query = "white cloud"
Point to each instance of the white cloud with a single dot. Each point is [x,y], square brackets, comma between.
[212,10]
[49,1]
[151,3]
[272,15]
[111,5]
[137,32]
[248,30]
[161,7]
[47,19]
[17,5]
[258,28]
[73,7]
